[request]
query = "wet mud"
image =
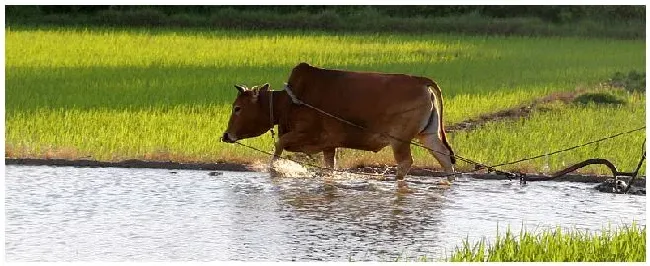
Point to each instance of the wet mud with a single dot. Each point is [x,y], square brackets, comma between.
[132,163]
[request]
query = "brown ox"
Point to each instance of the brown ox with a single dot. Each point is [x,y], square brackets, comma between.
[393,109]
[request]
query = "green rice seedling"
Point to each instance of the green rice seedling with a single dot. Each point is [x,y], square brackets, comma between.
[626,244]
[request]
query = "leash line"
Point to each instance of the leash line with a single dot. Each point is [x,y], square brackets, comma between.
[571,148]
[478,166]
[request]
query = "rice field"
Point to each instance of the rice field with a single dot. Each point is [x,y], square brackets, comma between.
[114,94]
[625,244]
[560,128]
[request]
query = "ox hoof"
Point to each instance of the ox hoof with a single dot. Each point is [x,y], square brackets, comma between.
[329,186]
[444,182]
[329,181]
[451,178]
[402,187]
[404,190]
[274,173]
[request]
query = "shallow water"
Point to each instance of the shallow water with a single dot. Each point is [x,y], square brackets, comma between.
[113,214]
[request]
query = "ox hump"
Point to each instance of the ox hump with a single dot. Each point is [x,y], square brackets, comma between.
[303,64]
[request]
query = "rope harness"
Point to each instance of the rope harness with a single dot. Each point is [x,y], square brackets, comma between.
[477,166]
[271,115]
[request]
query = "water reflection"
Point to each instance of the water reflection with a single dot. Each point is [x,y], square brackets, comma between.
[71,214]
[360,224]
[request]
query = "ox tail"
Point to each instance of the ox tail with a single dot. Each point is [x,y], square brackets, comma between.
[438,94]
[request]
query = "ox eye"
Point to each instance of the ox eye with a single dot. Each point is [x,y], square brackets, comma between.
[237,109]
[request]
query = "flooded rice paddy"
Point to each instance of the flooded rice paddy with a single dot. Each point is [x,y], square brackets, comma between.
[114,214]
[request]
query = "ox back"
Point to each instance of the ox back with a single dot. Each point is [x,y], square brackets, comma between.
[397,104]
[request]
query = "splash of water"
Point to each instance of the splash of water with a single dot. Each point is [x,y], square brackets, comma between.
[287,168]
[340,179]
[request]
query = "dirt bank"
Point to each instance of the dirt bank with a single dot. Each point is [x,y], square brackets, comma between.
[133,163]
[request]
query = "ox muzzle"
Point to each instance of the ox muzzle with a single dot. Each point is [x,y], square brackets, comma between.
[228,138]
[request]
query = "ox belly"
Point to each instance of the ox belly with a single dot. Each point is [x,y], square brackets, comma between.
[329,140]
[364,141]
[313,133]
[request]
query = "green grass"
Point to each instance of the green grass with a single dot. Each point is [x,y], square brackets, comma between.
[560,128]
[112,94]
[627,244]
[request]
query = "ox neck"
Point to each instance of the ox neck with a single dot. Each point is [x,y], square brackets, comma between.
[276,101]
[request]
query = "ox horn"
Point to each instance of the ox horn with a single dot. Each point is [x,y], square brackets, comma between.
[265,87]
[240,88]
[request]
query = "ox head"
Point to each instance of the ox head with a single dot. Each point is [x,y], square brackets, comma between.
[250,115]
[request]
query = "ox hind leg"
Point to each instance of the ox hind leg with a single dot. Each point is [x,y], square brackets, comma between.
[438,150]
[329,158]
[402,154]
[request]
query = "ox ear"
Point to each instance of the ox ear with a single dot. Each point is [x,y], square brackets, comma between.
[240,88]
[256,93]
[265,87]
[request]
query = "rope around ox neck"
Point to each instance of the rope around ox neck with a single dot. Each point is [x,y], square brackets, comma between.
[271,114]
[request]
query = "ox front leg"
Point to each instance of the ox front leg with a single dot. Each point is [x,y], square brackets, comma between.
[276,155]
[329,157]
[402,154]
[287,140]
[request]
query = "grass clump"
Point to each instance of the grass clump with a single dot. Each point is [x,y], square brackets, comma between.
[599,98]
[626,244]
[634,81]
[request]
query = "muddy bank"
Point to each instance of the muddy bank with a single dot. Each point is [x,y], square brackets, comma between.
[416,171]
[132,163]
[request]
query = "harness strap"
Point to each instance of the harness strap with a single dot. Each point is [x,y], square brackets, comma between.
[271,114]
[294,99]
